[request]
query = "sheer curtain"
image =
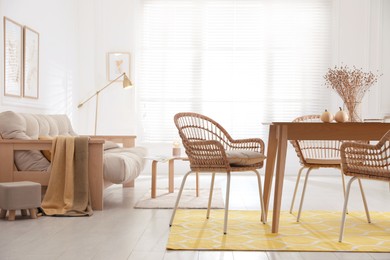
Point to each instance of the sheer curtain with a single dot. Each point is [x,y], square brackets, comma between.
[241,62]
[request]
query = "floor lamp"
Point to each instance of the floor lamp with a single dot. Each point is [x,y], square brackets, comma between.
[126,84]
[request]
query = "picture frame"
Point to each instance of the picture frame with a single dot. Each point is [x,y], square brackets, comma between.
[117,63]
[30,63]
[13,57]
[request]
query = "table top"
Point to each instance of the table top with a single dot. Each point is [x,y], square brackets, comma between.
[334,131]
[322,123]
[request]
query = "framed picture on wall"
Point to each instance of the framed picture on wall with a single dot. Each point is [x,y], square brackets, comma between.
[13,56]
[31,63]
[117,63]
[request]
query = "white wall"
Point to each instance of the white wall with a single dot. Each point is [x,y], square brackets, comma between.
[383,98]
[361,39]
[75,37]
[106,26]
[57,25]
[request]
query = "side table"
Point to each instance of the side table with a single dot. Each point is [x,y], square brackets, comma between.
[171,171]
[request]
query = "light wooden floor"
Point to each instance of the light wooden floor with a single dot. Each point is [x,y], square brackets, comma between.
[121,232]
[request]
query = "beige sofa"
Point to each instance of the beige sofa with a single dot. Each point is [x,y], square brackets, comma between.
[25,138]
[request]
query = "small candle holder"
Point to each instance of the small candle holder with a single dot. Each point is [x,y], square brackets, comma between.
[176,150]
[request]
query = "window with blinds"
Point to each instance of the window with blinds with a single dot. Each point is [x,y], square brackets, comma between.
[240,62]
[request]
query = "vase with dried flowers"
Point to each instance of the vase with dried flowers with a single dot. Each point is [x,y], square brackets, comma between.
[351,85]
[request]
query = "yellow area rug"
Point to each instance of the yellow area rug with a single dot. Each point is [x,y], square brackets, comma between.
[317,231]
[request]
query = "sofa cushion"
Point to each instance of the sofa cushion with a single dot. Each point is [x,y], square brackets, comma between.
[31,161]
[122,164]
[26,126]
[110,145]
[13,126]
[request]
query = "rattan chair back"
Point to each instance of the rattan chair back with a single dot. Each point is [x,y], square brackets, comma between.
[205,142]
[367,161]
[311,152]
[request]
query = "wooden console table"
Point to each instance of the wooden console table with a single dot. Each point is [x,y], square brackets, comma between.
[281,132]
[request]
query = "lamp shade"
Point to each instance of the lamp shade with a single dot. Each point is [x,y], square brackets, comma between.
[126,82]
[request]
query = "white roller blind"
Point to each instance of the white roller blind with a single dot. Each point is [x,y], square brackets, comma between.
[241,62]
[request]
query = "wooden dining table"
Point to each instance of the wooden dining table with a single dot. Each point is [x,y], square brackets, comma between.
[281,132]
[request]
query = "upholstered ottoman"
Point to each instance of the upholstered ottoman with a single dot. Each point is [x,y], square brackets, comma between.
[21,195]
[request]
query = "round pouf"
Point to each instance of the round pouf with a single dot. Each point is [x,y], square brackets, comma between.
[22,195]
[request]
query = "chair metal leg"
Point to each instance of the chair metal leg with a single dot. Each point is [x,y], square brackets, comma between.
[343,182]
[303,194]
[345,208]
[261,197]
[296,188]
[197,184]
[179,196]
[227,202]
[210,195]
[364,201]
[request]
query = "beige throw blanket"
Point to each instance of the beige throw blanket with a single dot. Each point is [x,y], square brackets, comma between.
[68,190]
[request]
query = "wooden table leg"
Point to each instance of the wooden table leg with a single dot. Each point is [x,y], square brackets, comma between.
[154,176]
[279,177]
[171,174]
[270,166]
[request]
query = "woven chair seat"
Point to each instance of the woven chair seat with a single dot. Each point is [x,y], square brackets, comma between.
[244,157]
[369,173]
[322,162]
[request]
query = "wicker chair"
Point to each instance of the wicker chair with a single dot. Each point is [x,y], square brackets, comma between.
[314,154]
[364,161]
[210,149]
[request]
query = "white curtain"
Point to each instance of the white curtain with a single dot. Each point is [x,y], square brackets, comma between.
[240,62]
